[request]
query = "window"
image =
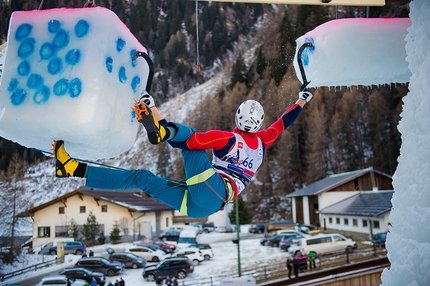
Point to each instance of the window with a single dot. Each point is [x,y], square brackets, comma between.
[61,210]
[376,224]
[61,231]
[354,222]
[337,220]
[330,220]
[364,222]
[104,208]
[167,222]
[345,221]
[82,209]
[44,231]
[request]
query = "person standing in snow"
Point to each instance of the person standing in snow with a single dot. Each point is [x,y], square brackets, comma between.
[208,187]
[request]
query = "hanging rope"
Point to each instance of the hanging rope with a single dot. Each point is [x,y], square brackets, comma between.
[197,36]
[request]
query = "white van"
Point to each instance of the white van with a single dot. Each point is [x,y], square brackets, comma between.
[43,248]
[324,243]
[189,235]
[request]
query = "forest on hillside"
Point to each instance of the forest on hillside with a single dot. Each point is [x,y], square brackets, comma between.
[342,129]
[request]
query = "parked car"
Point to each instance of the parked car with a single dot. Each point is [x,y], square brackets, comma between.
[166,247]
[70,247]
[156,247]
[287,241]
[205,248]
[60,280]
[274,233]
[324,243]
[208,227]
[275,241]
[170,234]
[257,228]
[379,239]
[129,259]
[179,267]
[84,274]
[44,247]
[224,229]
[193,254]
[146,252]
[100,264]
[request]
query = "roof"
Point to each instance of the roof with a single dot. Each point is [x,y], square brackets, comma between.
[371,203]
[332,182]
[130,199]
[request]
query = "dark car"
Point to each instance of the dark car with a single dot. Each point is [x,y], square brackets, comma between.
[179,267]
[379,239]
[257,228]
[166,247]
[287,241]
[101,264]
[85,274]
[170,235]
[70,247]
[274,241]
[128,259]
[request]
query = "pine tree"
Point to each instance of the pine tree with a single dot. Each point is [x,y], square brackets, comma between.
[239,71]
[73,229]
[244,215]
[91,229]
[114,234]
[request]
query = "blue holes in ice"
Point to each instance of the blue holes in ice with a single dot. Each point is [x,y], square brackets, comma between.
[120,44]
[307,51]
[61,87]
[109,64]
[18,96]
[122,75]
[82,28]
[75,87]
[13,84]
[46,51]
[61,39]
[23,31]
[54,66]
[73,57]
[23,68]
[53,26]
[28,84]
[132,52]
[41,95]
[26,48]
[34,81]
[135,83]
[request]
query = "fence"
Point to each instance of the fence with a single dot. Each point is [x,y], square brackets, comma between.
[278,269]
[35,267]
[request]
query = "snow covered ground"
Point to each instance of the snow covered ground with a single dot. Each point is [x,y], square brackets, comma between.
[225,259]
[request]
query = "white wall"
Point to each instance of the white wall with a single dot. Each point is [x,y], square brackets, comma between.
[383,225]
[329,198]
[50,217]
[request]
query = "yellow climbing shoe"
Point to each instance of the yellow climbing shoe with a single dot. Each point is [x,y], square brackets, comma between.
[156,132]
[65,166]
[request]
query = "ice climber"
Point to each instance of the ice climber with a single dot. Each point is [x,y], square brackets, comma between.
[208,187]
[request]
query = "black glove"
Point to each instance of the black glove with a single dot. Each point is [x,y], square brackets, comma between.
[305,95]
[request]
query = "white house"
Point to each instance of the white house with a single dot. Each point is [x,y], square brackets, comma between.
[136,216]
[331,203]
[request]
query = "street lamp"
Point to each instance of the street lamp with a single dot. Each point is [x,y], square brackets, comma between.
[237,240]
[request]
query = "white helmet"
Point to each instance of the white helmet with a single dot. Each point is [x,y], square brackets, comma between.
[249,116]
